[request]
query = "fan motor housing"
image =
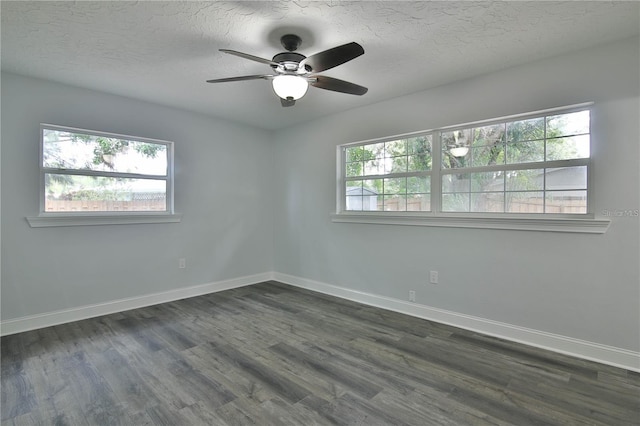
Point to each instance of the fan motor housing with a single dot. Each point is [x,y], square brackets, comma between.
[288,57]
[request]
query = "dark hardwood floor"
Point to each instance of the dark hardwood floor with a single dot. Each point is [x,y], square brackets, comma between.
[271,354]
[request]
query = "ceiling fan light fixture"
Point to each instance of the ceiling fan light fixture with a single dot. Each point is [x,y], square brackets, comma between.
[294,72]
[459,151]
[461,147]
[290,86]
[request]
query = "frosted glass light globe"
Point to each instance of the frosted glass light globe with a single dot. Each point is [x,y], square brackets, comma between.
[459,151]
[290,86]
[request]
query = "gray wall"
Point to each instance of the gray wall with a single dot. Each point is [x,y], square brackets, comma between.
[222,186]
[577,285]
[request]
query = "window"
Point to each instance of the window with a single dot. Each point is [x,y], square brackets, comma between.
[83,172]
[530,165]
[527,166]
[393,175]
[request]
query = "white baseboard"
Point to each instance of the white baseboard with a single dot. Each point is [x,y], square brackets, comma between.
[603,354]
[47,319]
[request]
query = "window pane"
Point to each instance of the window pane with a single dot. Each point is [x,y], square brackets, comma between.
[353,192]
[395,185]
[525,152]
[487,202]
[354,187]
[354,169]
[374,150]
[371,202]
[372,186]
[63,149]
[455,202]
[64,193]
[455,183]
[419,202]
[525,180]
[450,161]
[354,202]
[489,135]
[419,163]
[568,148]
[420,154]
[566,178]
[358,153]
[487,155]
[371,151]
[352,154]
[420,145]
[566,202]
[395,203]
[451,140]
[574,123]
[418,184]
[524,202]
[456,138]
[395,165]
[525,130]
[374,167]
[395,148]
[487,181]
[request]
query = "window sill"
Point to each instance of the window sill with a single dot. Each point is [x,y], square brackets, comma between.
[579,225]
[104,219]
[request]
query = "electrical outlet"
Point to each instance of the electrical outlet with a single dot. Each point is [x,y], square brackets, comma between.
[182,263]
[433,277]
[412,296]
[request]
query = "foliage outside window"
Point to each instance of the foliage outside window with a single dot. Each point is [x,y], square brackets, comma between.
[83,171]
[533,164]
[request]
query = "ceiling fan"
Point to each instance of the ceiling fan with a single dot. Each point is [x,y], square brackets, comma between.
[294,72]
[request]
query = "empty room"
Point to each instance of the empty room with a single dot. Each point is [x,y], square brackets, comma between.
[320,213]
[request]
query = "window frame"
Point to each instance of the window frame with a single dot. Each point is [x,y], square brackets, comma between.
[71,218]
[563,222]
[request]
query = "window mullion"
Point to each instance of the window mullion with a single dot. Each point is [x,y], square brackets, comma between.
[98,173]
[436,176]
[341,171]
[544,170]
[519,166]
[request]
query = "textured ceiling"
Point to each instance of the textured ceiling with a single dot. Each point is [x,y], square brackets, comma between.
[164,51]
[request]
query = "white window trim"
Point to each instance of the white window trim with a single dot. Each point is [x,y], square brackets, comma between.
[133,218]
[53,219]
[582,225]
[579,223]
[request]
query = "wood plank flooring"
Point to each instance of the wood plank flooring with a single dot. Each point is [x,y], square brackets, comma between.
[271,354]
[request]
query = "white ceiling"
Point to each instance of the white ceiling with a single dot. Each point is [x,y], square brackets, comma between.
[164,51]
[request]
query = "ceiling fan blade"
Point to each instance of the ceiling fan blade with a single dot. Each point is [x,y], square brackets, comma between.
[243,78]
[287,102]
[250,57]
[330,83]
[332,58]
